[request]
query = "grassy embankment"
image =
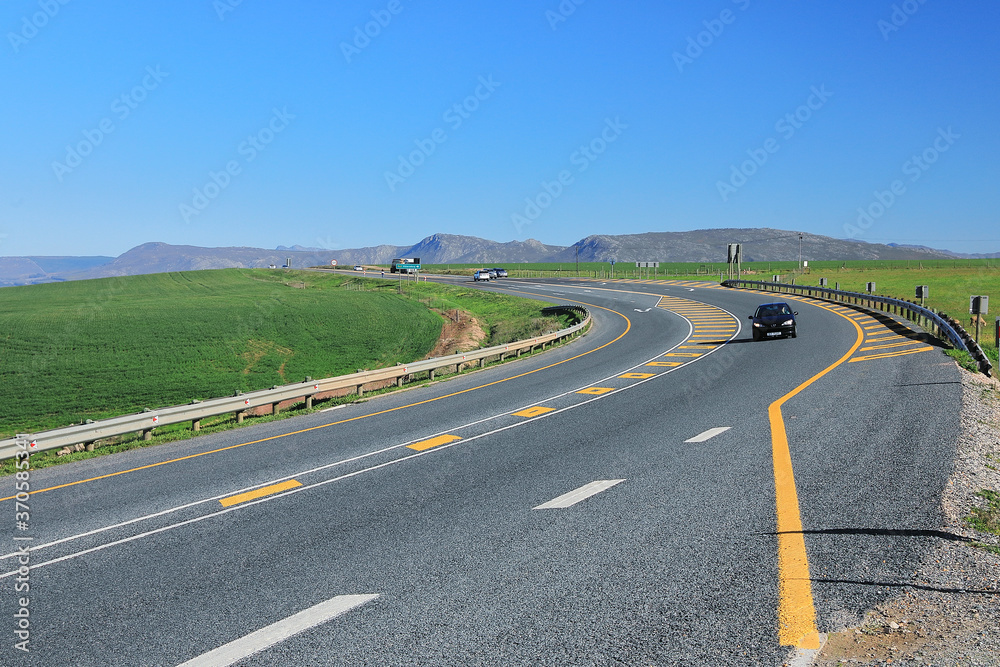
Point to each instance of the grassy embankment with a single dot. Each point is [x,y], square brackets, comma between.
[99,348]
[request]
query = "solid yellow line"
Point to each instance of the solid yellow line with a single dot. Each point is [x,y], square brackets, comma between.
[259,493]
[887,355]
[431,443]
[796,610]
[628,327]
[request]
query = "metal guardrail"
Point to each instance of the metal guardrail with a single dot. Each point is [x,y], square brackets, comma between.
[146,421]
[942,326]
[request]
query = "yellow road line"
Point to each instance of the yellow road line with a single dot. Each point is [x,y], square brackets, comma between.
[668,364]
[532,412]
[259,493]
[431,443]
[888,345]
[597,391]
[636,376]
[882,340]
[887,355]
[796,610]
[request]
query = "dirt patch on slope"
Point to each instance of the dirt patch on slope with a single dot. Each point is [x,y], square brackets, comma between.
[461,332]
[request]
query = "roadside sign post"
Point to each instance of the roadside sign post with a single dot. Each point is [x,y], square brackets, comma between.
[871,288]
[734,258]
[922,293]
[978,306]
[612,269]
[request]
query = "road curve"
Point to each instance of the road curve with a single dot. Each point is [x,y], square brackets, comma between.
[612,501]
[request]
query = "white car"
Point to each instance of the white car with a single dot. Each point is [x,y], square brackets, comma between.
[359,268]
[481,275]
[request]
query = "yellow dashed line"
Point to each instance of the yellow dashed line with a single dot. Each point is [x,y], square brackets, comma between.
[433,442]
[636,376]
[259,493]
[597,391]
[666,363]
[533,411]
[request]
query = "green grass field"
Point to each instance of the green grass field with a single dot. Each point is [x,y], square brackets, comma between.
[99,348]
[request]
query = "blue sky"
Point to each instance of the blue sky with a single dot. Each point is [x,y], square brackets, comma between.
[256,124]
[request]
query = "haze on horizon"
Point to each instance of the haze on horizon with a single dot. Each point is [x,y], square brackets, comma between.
[228,123]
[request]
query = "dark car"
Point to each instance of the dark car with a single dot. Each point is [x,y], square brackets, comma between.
[501,273]
[772,320]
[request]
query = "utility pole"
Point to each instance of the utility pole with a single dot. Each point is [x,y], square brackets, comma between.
[577,260]
[800,251]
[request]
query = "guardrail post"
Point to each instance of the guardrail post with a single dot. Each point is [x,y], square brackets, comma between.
[239,416]
[89,446]
[147,434]
[399,380]
[482,362]
[274,408]
[195,424]
[430,374]
[309,402]
[361,390]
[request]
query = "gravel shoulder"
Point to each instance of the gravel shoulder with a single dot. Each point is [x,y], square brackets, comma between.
[950,613]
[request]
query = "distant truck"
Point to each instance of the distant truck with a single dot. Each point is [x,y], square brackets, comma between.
[405,265]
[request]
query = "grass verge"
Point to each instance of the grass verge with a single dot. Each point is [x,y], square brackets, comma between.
[227,422]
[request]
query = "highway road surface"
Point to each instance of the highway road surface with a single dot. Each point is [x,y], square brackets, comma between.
[661,491]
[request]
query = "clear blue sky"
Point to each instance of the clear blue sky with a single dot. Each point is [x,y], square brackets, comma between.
[664,122]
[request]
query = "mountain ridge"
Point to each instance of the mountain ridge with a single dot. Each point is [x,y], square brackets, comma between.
[700,245]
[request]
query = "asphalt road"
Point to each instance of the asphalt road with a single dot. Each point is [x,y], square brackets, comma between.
[446,505]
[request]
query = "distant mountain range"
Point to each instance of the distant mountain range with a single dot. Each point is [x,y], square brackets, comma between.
[703,245]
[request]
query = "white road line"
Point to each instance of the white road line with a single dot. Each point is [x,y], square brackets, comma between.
[255,642]
[575,496]
[709,434]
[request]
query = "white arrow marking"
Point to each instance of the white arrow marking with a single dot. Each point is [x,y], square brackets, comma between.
[642,311]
